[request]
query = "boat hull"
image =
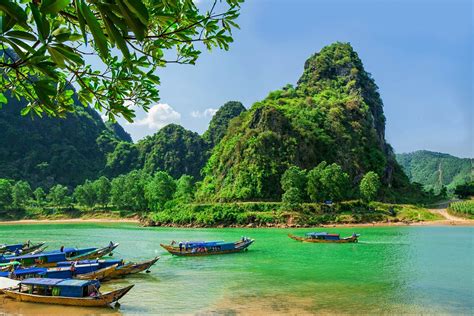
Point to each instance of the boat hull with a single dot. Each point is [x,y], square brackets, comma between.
[94,254]
[98,274]
[239,247]
[352,239]
[132,268]
[99,301]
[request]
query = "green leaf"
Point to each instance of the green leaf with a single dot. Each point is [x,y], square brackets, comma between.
[81,20]
[25,111]
[140,10]
[14,11]
[57,57]
[115,34]
[3,99]
[69,53]
[134,23]
[53,6]
[21,34]
[42,24]
[6,22]
[94,26]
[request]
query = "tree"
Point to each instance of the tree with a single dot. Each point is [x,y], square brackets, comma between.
[21,193]
[128,191]
[58,195]
[185,189]
[51,38]
[86,194]
[315,188]
[292,198]
[118,187]
[369,186]
[293,183]
[39,195]
[159,190]
[5,193]
[102,188]
[327,182]
[465,190]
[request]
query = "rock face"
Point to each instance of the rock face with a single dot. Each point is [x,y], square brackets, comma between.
[46,151]
[335,114]
[220,122]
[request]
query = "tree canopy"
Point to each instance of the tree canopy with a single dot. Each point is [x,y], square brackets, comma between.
[369,186]
[47,49]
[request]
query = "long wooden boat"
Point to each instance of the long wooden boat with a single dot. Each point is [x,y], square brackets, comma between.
[324,237]
[202,248]
[94,254]
[18,249]
[65,292]
[48,258]
[132,268]
[100,274]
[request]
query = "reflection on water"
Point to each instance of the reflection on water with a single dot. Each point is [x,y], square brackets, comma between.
[392,270]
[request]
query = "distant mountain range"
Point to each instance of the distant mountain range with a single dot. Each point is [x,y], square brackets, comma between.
[434,170]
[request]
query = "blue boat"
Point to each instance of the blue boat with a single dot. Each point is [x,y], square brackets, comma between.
[64,292]
[205,248]
[46,259]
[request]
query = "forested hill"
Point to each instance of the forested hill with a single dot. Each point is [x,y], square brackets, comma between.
[434,170]
[46,151]
[334,114]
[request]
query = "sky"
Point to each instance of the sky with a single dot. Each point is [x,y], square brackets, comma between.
[420,53]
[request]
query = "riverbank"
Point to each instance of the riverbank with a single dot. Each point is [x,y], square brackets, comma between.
[261,215]
[445,222]
[71,220]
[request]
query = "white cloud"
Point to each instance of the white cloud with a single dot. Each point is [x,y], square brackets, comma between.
[159,116]
[206,113]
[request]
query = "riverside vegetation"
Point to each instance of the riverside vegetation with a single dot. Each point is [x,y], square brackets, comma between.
[276,163]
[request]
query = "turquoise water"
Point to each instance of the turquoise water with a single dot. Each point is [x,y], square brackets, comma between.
[391,270]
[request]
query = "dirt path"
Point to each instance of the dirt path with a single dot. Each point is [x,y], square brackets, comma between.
[453,220]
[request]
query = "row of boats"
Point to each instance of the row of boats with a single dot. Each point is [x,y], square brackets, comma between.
[73,276]
[67,276]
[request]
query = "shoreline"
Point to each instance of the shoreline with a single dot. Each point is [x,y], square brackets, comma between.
[70,221]
[444,222]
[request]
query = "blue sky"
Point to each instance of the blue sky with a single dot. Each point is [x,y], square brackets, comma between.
[419,52]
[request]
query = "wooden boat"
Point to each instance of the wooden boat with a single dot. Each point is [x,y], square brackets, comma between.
[324,237]
[132,268]
[46,259]
[18,249]
[87,271]
[64,292]
[100,274]
[202,248]
[94,254]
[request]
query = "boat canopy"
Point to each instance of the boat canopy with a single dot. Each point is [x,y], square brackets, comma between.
[12,248]
[316,234]
[197,244]
[59,282]
[25,272]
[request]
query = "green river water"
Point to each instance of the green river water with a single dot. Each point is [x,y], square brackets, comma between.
[392,270]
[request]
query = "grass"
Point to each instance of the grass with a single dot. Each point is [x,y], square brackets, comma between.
[462,208]
[275,213]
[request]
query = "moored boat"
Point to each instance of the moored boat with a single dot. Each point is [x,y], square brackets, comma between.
[132,268]
[64,292]
[203,248]
[94,254]
[20,249]
[323,237]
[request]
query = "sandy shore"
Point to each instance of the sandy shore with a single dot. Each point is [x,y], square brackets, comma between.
[71,220]
[449,220]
